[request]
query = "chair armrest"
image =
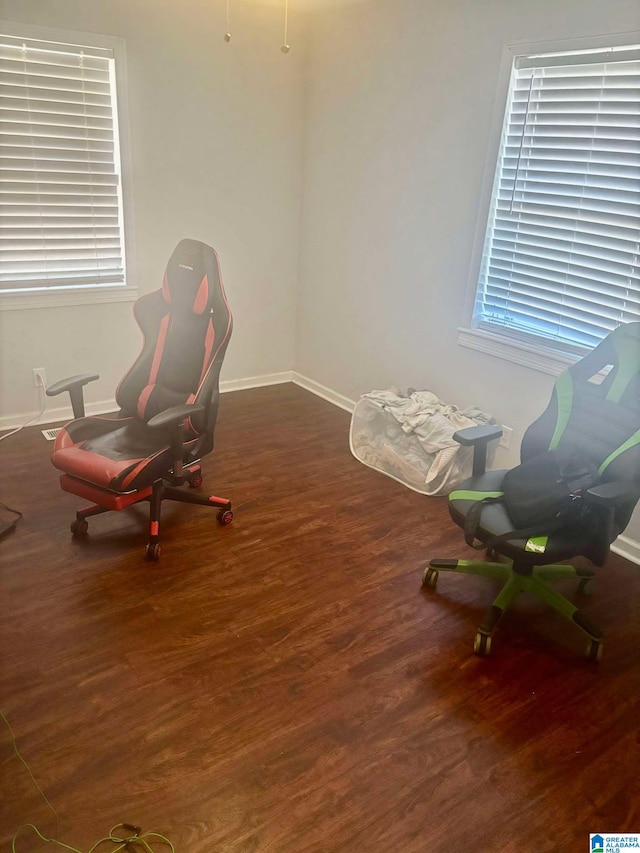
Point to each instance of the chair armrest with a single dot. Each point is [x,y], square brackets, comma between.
[611,494]
[172,416]
[73,385]
[478,437]
[478,434]
[605,499]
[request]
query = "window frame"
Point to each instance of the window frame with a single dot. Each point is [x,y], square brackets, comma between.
[127,292]
[527,350]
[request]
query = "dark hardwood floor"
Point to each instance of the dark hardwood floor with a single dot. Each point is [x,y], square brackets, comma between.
[284,684]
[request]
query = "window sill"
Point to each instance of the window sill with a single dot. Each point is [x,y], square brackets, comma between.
[540,358]
[63,299]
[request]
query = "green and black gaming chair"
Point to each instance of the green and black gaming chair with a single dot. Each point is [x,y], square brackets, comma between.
[597,417]
[168,402]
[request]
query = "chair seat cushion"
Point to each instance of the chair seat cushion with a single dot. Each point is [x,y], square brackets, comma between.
[495,520]
[120,454]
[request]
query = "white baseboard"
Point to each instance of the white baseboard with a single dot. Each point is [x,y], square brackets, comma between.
[256,381]
[59,414]
[322,391]
[62,414]
[627,548]
[623,546]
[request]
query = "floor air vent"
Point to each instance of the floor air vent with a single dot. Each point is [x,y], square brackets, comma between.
[50,434]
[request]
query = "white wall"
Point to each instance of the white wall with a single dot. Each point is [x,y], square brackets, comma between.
[394,102]
[399,110]
[216,155]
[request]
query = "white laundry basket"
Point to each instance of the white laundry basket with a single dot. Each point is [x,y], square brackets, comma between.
[409,436]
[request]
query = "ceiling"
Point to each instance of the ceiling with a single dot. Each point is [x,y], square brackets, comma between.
[305,5]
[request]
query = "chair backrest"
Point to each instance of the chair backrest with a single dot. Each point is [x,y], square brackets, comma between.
[595,410]
[186,327]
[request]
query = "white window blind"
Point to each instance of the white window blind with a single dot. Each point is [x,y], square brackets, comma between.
[60,191]
[561,258]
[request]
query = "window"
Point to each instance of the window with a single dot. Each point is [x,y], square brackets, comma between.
[560,264]
[61,205]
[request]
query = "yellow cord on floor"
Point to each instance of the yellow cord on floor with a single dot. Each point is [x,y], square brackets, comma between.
[129,838]
[133,841]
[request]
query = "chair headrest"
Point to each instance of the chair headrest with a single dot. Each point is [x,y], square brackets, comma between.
[191,278]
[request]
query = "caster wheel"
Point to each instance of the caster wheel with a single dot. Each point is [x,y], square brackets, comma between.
[430,577]
[594,650]
[482,644]
[195,482]
[225,516]
[152,552]
[79,527]
[585,586]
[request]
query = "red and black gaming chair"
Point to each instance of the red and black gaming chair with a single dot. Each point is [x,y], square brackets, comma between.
[168,402]
[590,413]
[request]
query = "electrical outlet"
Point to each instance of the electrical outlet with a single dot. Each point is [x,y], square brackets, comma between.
[505,438]
[39,377]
